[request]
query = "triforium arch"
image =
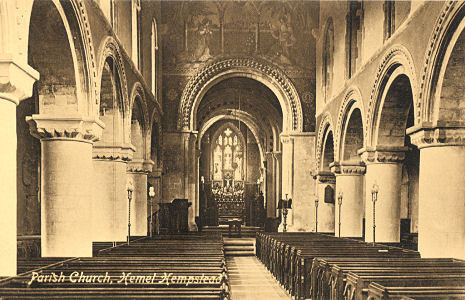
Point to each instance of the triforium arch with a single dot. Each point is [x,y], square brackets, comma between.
[109,48]
[396,62]
[325,129]
[445,44]
[351,106]
[264,72]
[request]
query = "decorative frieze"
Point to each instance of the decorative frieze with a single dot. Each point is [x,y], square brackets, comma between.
[70,127]
[428,136]
[383,154]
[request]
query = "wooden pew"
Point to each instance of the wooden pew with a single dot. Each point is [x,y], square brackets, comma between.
[181,267]
[340,286]
[377,291]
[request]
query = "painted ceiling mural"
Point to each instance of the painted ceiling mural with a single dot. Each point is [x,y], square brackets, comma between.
[198,32]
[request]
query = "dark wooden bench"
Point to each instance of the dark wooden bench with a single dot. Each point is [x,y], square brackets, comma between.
[377,291]
[179,267]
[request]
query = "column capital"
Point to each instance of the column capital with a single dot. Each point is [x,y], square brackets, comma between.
[326,177]
[383,154]
[114,153]
[140,166]
[426,135]
[156,173]
[16,80]
[48,127]
[347,168]
[277,154]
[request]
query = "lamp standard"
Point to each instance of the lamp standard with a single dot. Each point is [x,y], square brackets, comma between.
[339,202]
[130,189]
[151,195]
[316,214]
[374,198]
[285,214]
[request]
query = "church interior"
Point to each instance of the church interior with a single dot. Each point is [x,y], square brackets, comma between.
[238,149]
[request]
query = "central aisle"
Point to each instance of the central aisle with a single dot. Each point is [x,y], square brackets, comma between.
[249,279]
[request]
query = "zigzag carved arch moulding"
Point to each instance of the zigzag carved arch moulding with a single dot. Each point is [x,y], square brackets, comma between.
[437,45]
[326,125]
[397,56]
[80,11]
[109,48]
[260,70]
[352,98]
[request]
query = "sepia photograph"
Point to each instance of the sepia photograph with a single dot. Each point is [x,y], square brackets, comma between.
[232,149]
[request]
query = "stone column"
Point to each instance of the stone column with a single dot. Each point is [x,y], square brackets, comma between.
[278,163]
[270,178]
[66,183]
[384,168]
[349,181]
[15,85]
[441,227]
[303,189]
[138,171]
[109,205]
[326,215]
[287,176]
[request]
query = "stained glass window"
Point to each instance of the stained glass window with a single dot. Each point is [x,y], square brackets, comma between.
[228,156]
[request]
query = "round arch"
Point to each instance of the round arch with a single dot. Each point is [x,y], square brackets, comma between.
[73,15]
[138,98]
[138,91]
[396,61]
[446,31]
[261,71]
[326,126]
[352,101]
[109,48]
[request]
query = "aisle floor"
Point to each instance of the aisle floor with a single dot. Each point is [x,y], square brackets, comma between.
[250,279]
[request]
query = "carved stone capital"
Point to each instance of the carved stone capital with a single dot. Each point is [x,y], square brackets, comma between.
[277,155]
[16,80]
[428,136]
[347,168]
[156,173]
[326,177]
[113,153]
[140,166]
[46,127]
[383,154]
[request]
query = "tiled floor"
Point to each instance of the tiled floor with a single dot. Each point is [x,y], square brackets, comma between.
[250,279]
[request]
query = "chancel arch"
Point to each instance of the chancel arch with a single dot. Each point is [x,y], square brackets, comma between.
[254,69]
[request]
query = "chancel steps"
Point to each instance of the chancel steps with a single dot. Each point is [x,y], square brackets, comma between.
[239,246]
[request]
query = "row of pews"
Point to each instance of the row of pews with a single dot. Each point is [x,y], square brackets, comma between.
[319,266]
[189,266]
